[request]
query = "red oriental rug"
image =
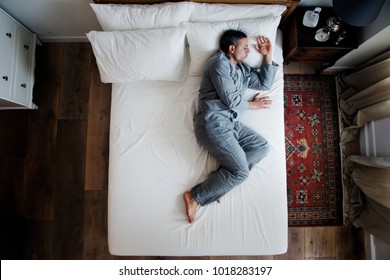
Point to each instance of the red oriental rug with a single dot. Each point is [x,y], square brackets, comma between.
[312,151]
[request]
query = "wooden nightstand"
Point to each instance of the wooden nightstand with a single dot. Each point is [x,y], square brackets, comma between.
[300,46]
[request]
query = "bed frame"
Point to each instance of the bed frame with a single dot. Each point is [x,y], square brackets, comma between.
[290,4]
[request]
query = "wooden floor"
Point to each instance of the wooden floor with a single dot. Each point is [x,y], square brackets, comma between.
[54,162]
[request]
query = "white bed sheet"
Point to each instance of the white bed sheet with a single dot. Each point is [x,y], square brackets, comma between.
[155,158]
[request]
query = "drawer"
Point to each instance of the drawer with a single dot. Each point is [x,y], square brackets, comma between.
[24,68]
[7,46]
[17,63]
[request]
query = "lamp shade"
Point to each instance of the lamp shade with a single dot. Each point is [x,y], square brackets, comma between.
[358,12]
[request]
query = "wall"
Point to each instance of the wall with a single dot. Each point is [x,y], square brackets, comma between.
[374,40]
[380,23]
[54,20]
[377,44]
[319,3]
[69,20]
[374,139]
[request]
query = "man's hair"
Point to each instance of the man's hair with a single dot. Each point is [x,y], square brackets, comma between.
[230,37]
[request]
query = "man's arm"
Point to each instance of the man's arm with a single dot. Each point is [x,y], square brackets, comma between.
[258,103]
[263,78]
[264,47]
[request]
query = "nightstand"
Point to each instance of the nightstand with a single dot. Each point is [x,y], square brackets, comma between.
[300,46]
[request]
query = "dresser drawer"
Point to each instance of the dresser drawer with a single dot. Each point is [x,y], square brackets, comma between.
[7,48]
[17,56]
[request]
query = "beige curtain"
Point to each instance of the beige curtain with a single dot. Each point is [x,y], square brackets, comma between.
[369,185]
[364,96]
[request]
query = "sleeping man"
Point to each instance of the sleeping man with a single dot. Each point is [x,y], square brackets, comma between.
[217,127]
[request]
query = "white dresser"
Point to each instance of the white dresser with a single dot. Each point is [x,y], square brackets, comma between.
[17,64]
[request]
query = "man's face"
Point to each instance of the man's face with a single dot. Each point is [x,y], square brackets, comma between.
[240,52]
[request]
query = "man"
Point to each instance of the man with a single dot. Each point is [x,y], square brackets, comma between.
[236,147]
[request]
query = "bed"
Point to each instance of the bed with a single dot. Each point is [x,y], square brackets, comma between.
[154,56]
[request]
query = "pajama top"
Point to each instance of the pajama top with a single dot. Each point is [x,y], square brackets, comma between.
[221,94]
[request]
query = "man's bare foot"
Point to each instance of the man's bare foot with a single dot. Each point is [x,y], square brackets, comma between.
[191,205]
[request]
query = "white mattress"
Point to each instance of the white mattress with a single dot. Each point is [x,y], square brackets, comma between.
[155,158]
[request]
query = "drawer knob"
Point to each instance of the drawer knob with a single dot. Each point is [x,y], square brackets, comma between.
[23,85]
[26,47]
[5,78]
[9,35]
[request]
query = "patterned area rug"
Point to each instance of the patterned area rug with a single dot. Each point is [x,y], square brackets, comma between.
[312,151]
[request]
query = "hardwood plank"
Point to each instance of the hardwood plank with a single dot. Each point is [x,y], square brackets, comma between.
[95,226]
[292,68]
[11,238]
[350,243]
[38,199]
[38,240]
[320,242]
[309,68]
[13,131]
[11,216]
[296,245]
[318,259]
[43,121]
[140,258]
[299,68]
[96,173]
[11,195]
[74,92]
[69,191]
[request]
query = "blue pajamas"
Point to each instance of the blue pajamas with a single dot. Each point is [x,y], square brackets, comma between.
[236,147]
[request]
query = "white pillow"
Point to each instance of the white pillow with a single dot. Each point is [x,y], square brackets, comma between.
[123,56]
[116,17]
[203,12]
[203,39]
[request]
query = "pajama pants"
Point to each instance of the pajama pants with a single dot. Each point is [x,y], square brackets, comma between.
[237,148]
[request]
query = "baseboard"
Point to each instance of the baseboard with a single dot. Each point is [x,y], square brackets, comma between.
[64,39]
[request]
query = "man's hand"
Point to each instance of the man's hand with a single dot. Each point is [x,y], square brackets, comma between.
[258,103]
[264,47]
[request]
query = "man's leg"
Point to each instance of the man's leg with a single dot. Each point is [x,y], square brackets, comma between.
[223,145]
[254,145]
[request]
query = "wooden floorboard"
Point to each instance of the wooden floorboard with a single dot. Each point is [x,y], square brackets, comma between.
[54,171]
[95,226]
[13,133]
[320,242]
[349,245]
[38,240]
[296,245]
[76,73]
[69,191]
[11,180]
[96,173]
[42,124]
